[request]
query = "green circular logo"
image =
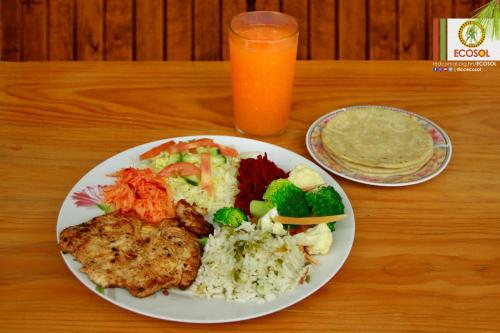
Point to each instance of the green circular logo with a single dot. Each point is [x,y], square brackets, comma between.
[471,34]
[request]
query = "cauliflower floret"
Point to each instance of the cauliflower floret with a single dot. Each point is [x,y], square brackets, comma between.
[305,178]
[266,223]
[317,239]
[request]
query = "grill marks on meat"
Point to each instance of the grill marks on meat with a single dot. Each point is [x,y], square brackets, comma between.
[118,250]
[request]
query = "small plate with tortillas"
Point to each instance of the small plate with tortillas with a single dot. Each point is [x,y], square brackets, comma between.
[379,145]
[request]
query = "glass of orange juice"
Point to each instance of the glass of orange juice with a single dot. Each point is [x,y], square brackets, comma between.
[263,50]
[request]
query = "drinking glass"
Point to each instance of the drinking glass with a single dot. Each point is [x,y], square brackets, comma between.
[263,50]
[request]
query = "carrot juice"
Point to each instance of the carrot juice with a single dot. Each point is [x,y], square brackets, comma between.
[263,50]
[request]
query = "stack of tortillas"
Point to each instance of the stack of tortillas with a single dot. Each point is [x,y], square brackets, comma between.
[377,142]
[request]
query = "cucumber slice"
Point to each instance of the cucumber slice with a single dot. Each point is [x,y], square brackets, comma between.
[174,158]
[193,180]
[201,150]
[191,158]
[212,150]
[218,160]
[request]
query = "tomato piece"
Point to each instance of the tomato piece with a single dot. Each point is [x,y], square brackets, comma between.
[228,151]
[206,173]
[182,146]
[298,229]
[156,150]
[180,169]
[172,148]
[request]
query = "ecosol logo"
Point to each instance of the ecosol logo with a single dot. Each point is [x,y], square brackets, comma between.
[464,39]
[471,34]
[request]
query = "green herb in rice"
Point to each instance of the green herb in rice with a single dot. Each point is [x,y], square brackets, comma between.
[245,264]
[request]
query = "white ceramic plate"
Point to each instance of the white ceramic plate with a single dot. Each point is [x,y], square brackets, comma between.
[436,165]
[183,306]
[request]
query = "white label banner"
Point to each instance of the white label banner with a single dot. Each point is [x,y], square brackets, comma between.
[468,40]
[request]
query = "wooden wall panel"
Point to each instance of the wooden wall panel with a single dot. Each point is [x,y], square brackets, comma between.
[89,30]
[436,9]
[118,38]
[466,8]
[34,30]
[179,30]
[439,8]
[0,30]
[412,30]
[149,29]
[273,5]
[207,30]
[60,30]
[197,29]
[230,8]
[299,10]
[480,3]
[322,29]
[10,18]
[383,42]
[352,29]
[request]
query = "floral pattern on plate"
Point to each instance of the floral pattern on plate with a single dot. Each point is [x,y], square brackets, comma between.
[437,163]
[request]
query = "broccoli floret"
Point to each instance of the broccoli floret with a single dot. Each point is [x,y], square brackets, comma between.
[287,198]
[230,216]
[324,201]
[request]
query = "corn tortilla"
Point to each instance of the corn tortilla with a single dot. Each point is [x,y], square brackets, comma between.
[377,141]
[376,172]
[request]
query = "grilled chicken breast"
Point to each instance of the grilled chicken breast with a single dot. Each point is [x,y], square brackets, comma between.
[119,250]
[191,219]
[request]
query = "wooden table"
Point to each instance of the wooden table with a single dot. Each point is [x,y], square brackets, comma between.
[426,258]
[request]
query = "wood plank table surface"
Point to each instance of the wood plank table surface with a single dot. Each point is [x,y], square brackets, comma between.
[426,258]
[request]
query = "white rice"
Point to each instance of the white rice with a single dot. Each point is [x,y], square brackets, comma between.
[224,183]
[246,264]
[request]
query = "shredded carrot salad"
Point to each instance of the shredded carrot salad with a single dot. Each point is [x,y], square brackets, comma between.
[142,191]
